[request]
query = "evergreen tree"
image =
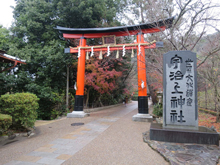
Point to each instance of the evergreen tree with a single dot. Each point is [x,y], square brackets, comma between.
[35,39]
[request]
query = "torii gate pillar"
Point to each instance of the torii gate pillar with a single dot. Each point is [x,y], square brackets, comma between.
[143,114]
[78,106]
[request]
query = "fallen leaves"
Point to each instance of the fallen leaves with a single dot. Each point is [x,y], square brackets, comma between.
[208,120]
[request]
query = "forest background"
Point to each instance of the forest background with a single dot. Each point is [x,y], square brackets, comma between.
[33,37]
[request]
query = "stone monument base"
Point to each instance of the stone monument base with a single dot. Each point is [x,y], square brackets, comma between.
[201,136]
[77,114]
[142,117]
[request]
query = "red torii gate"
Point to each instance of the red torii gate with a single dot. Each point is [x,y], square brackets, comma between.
[140,45]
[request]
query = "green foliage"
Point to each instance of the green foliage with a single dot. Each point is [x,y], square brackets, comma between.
[22,107]
[51,104]
[13,83]
[5,122]
[158,110]
[108,99]
[135,97]
[34,21]
[86,13]
[59,105]
[71,103]
[4,38]
[34,39]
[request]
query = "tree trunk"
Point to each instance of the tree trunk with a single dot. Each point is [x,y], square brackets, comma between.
[215,95]
[217,116]
[206,101]
[216,103]
[153,94]
[87,97]
[100,101]
[67,88]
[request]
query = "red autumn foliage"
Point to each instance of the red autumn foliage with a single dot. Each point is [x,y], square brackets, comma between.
[101,76]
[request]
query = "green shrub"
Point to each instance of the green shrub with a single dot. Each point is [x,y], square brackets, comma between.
[59,105]
[108,99]
[51,103]
[135,97]
[158,110]
[22,107]
[5,122]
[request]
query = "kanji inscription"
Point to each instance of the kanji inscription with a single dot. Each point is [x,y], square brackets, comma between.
[180,90]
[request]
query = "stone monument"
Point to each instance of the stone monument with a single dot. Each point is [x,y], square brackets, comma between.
[180,90]
[180,108]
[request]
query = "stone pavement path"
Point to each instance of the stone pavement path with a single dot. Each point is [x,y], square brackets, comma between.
[107,137]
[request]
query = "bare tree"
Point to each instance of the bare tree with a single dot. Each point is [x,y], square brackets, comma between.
[194,19]
[210,69]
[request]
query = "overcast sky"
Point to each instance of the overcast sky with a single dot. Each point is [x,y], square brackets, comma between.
[6,15]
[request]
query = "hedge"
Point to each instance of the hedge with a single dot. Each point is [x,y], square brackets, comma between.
[5,122]
[22,107]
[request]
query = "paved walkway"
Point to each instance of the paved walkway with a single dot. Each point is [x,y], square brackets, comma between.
[107,137]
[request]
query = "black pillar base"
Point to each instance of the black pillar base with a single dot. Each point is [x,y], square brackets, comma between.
[143,104]
[78,103]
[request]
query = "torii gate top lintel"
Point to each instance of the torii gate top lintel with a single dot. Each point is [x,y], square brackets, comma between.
[117,31]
